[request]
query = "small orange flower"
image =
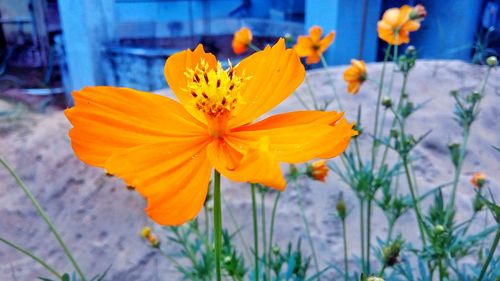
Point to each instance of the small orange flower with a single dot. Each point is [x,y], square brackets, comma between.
[397,23]
[167,149]
[313,46]
[478,179]
[355,75]
[318,170]
[241,39]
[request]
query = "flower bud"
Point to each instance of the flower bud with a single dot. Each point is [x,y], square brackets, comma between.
[410,50]
[387,102]
[276,250]
[492,61]
[341,209]
[288,38]
[390,253]
[418,12]
[394,133]
[154,241]
[478,179]
[145,232]
[439,229]
[227,260]
[318,170]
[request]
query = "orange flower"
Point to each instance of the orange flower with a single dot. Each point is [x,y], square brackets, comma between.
[241,39]
[318,170]
[355,75]
[397,23]
[167,149]
[313,46]
[478,179]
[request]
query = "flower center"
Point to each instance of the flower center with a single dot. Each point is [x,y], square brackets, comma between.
[216,92]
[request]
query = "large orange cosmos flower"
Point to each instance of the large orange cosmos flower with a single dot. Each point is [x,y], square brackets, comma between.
[355,75]
[241,40]
[397,23]
[313,46]
[166,149]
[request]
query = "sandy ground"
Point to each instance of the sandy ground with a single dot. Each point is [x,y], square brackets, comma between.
[100,219]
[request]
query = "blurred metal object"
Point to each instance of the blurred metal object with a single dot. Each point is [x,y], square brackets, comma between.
[136,67]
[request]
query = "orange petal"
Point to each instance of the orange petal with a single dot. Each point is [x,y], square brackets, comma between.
[313,58]
[411,25]
[175,67]
[275,74]
[244,36]
[255,165]
[315,33]
[392,17]
[326,41]
[295,141]
[172,176]
[353,87]
[239,48]
[293,118]
[106,120]
[304,46]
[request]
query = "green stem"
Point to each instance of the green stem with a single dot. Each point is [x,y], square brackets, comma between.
[271,233]
[253,47]
[368,235]
[394,121]
[362,229]
[45,217]
[441,269]
[304,104]
[255,232]
[458,171]
[308,232]
[264,235]
[311,93]
[217,224]
[325,66]
[31,255]
[462,151]
[344,238]
[490,255]
[415,201]
[377,109]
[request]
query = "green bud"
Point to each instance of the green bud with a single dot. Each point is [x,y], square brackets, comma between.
[341,209]
[276,250]
[492,61]
[439,229]
[394,133]
[387,102]
[227,260]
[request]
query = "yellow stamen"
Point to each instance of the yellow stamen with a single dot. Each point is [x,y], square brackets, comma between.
[215,91]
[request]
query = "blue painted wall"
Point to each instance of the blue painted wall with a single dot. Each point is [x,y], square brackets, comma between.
[345,17]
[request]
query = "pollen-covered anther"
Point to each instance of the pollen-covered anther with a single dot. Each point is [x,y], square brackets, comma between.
[215,91]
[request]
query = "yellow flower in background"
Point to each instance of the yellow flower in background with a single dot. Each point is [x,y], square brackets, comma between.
[167,149]
[318,170]
[478,179]
[355,75]
[313,46]
[397,23]
[241,40]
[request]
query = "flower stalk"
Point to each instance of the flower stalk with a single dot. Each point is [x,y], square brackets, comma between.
[217,224]
[255,233]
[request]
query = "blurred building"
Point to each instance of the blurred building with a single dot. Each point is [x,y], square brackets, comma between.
[126,42]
